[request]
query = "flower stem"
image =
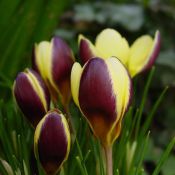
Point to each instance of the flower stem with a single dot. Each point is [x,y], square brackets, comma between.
[109,161]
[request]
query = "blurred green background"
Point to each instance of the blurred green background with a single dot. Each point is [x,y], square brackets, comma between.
[22,23]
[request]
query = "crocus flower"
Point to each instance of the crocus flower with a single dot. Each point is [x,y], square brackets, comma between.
[32,95]
[138,57]
[53,61]
[52,141]
[102,90]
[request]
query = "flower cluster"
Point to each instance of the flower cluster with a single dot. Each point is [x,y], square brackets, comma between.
[35,89]
[101,88]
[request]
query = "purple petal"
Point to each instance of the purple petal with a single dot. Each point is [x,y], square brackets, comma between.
[85,52]
[96,97]
[62,62]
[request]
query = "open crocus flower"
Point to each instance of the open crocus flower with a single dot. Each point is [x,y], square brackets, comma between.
[138,57]
[102,90]
[53,61]
[52,141]
[32,95]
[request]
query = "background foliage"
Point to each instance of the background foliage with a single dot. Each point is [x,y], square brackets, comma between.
[25,22]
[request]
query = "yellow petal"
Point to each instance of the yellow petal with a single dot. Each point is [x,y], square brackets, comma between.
[115,132]
[37,88]
[43,52]
[75,81]
[110,43]
[37,135]
[139,54]
[122,90]
[67,132]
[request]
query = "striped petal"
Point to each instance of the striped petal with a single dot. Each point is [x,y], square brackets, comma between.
[122,87]
[54,60]
[86,49]
[144,51]
[31,95]
[110,43]
[52,141]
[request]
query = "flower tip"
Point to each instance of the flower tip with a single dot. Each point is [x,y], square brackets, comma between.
[86,49]
[80,38]
[158,37]
[56,39]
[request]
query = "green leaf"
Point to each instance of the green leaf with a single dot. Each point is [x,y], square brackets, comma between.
[141,154]
[164,157]
[145,92]
[151,115]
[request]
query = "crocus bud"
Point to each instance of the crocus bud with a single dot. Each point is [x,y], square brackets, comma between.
[53,61]
[137,58]
[102,89]
[52,141]
[32,95]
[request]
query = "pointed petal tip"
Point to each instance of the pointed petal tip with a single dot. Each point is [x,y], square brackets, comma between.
[80,37]
[154,52]
[86,49]
[55,39]
[158,37]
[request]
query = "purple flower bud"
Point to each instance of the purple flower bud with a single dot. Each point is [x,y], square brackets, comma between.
[52,141]
[32,95]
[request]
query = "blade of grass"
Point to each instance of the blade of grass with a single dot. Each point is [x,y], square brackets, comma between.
[21,38]
[133,123]
[10,7]
[142,154]
[164,157]
[145,92]
[6,145]
[80,166]
[100,158]
[25,168]
[80,158]
[117,172]
[118,161]
[49,19]
[87,156]
[2,169]
[151,115]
